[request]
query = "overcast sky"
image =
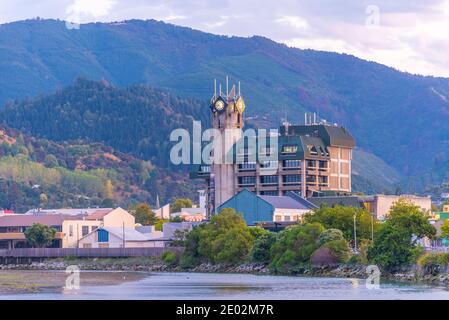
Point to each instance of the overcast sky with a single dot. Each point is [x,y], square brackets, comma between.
[410,35]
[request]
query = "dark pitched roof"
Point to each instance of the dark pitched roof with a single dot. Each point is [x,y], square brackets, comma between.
[348,201]
[286,202]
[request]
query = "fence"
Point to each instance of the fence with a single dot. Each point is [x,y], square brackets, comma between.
[86,252]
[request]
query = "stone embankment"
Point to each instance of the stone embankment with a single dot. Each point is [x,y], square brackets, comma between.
[412,274]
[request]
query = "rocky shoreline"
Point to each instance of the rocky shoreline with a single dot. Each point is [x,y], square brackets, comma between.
[410,275]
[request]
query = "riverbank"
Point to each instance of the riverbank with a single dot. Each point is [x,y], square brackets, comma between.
[412,274]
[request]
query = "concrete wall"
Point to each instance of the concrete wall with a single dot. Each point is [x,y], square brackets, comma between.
[91,241]
[117,217]
[72,231]
[383,203]
[281,215]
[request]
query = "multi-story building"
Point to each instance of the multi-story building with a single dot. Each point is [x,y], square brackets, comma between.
[315,156]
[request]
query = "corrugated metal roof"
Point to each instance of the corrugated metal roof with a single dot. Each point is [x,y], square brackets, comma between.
[284,202]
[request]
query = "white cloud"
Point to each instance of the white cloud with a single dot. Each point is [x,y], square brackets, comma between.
[293,21]
[94,8]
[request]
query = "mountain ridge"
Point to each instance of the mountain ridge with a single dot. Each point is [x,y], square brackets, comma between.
[388,111]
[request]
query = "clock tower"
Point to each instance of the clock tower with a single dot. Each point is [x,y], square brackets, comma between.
[227,118]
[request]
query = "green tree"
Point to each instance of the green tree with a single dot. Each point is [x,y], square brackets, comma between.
[445,229]
[395,245]
[295,245]
[262,246]
[181,203]
[330,235]
[144,215]
[39,235]
[342,218]
[51,161]
[405,214]
[392,248]
[225,239]
[43,200]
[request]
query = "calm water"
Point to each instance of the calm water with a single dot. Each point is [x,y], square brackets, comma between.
[152,286]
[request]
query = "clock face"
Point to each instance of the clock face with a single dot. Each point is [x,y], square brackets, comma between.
[240,105]
[219,105]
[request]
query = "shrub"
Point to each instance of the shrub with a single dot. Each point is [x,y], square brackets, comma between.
[188,261]
[433,259]
[295,246]
[169,258]
[330,235]
[262,246]
[339,249]
[225,239]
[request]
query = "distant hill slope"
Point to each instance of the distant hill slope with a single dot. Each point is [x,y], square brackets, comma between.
[138,120]
[399,117]
[78,173]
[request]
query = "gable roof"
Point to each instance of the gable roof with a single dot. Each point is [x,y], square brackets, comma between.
[99,214]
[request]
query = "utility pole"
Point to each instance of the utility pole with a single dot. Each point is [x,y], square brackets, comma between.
[124,241]
[355,234]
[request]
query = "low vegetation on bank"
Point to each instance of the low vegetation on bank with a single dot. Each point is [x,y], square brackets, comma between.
[325,237]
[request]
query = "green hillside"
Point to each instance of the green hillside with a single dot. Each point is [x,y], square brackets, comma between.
[38,172]
[399,117]
[138,120]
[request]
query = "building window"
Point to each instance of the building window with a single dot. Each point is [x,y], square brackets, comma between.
[84,231]
[311,179]
[286,218]
[323,164]
[71,231]
[269,165]
[269,193]
[93,228]
[269,179]
[292,164]
[245,181]
[313,151]
[289,149]
[311,163]
[323,179]
[278,218]
[292,178]
[247,166]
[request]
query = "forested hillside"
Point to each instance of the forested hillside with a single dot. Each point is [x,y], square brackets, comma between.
[399,117]
[42,173]
[138,120]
